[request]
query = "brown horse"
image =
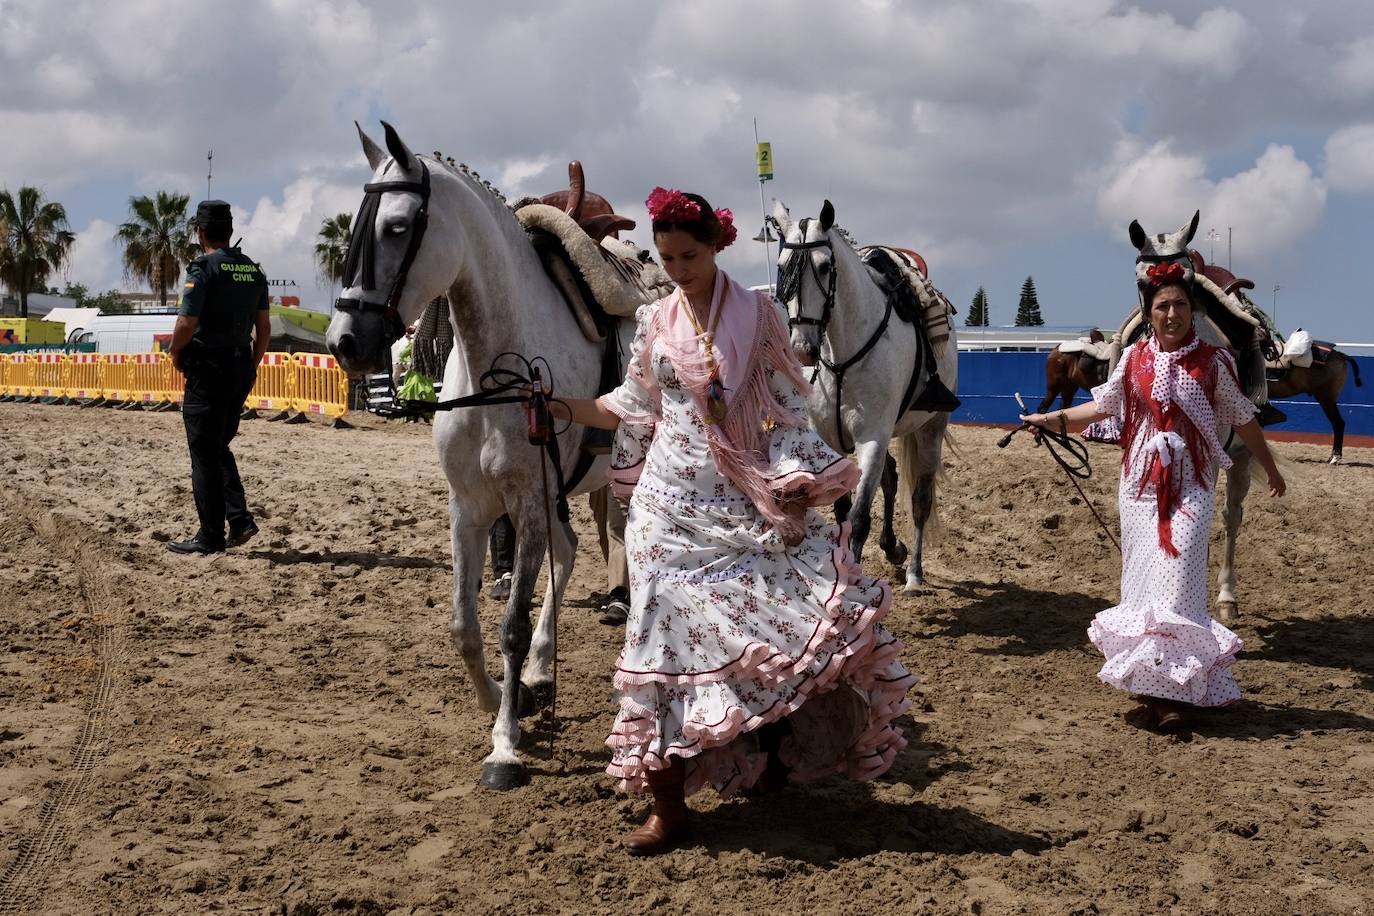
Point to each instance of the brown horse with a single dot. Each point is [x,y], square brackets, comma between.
[1324,382]
[1065,373]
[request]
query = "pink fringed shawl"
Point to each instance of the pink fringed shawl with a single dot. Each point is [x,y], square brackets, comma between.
[750,339]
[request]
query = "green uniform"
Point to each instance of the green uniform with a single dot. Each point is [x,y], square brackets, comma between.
[225,290]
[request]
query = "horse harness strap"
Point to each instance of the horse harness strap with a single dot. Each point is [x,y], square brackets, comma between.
[361,261]
[792,287]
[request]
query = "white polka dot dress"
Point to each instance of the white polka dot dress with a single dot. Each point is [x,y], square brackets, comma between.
[1160,641]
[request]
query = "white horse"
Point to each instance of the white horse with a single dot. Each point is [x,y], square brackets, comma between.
[1229,326]
[427,229]
[836,311]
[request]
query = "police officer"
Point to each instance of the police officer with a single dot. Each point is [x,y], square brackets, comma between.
[222,331]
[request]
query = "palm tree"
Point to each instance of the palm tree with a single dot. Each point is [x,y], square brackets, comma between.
[35,241]
[331,251]
[157,240]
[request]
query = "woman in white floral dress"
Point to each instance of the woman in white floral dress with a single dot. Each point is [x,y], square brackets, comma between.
[1177,398]
[753,653]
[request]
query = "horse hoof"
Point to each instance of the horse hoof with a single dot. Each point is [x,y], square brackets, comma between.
[502,777]
[1226,610]
[897,555]
[528,704]
[540,696]
[917,587]
[1335,459]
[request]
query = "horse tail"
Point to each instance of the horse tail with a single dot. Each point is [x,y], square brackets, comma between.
[1354,367]
[912,452]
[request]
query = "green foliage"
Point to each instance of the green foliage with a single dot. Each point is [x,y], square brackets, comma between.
[331,248]
[1028,308]
[35,242]
[978,316]
[157,240]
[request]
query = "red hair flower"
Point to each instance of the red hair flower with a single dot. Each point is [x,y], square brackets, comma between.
[1165,273]
[670,205]
[727,229]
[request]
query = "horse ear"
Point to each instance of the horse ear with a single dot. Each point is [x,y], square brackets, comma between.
[371,150]
[827,216]
[399,151]
[1192,228]
[1137,235]
[781,214]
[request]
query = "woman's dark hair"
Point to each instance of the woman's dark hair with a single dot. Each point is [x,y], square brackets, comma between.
[706,229]
[1149,291]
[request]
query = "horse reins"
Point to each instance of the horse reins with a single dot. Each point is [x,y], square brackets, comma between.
[1071,455]
[789,287]
[361,266]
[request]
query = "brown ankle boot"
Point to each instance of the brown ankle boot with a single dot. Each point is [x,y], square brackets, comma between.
[667,823]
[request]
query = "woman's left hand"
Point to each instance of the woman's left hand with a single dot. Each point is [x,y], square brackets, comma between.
[1277,485]
[794,506]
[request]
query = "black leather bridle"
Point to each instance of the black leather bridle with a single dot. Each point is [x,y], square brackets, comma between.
[361,266]
[789,282]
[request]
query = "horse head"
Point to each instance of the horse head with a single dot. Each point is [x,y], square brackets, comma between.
[396,262]
[806,277]
[1163,247]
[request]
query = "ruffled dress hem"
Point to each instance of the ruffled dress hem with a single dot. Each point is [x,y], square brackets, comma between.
[866,662]
[1165,656]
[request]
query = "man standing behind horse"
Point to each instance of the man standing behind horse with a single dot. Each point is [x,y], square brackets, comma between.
[221,334]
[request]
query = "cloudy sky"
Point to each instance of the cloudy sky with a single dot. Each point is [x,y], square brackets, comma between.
[1002,138]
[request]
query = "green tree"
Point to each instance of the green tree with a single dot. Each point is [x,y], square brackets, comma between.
[978,312]
[35,242]
[157,241]
[331,250]
[1028,309]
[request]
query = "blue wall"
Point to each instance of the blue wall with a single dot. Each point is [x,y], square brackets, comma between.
[988,380]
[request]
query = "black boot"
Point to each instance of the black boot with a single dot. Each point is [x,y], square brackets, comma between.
[935,397]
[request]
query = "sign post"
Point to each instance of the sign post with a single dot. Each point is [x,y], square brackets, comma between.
[763,157]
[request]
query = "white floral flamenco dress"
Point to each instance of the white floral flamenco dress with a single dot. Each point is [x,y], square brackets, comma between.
[729,628]
[1176,408]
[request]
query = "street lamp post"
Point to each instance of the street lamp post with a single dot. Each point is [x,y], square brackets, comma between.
[1276,304]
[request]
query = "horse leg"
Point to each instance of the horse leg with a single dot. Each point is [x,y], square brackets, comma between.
[538,672]
[843,506]
[1237,486]
[928,445]
[893,549]
[469,555]
[869,455]
[502,769]
[1066,396]
[1333,416]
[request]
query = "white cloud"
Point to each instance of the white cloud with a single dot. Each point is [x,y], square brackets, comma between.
[1350,158]
[280,234]
[95,258]
[1272,204]
[1353,67]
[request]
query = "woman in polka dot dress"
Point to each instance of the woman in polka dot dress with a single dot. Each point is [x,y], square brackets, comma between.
[1177,398]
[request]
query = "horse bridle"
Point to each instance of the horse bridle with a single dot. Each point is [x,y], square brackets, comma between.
[362,254]
[789,284]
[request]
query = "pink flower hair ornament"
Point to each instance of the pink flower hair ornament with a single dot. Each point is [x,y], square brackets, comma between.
[670,205]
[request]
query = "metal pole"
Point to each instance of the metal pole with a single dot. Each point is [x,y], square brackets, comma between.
[209,172]
[763,213]
[1228,248]
[1276,304]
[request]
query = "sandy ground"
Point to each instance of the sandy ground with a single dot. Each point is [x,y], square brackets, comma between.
[287,728]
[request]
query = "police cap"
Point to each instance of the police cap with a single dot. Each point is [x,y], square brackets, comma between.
[210,212]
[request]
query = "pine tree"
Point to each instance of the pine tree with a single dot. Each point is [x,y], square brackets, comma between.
[978,311]
[1028,309]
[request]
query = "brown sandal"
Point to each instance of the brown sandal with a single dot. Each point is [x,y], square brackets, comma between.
[1167,715]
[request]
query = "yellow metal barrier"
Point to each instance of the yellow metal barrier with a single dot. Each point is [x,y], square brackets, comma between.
[114,376]
[308,382]
[49,376]
[321,386]
[145,377]
[20,374]
[85,380]
[275,388]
